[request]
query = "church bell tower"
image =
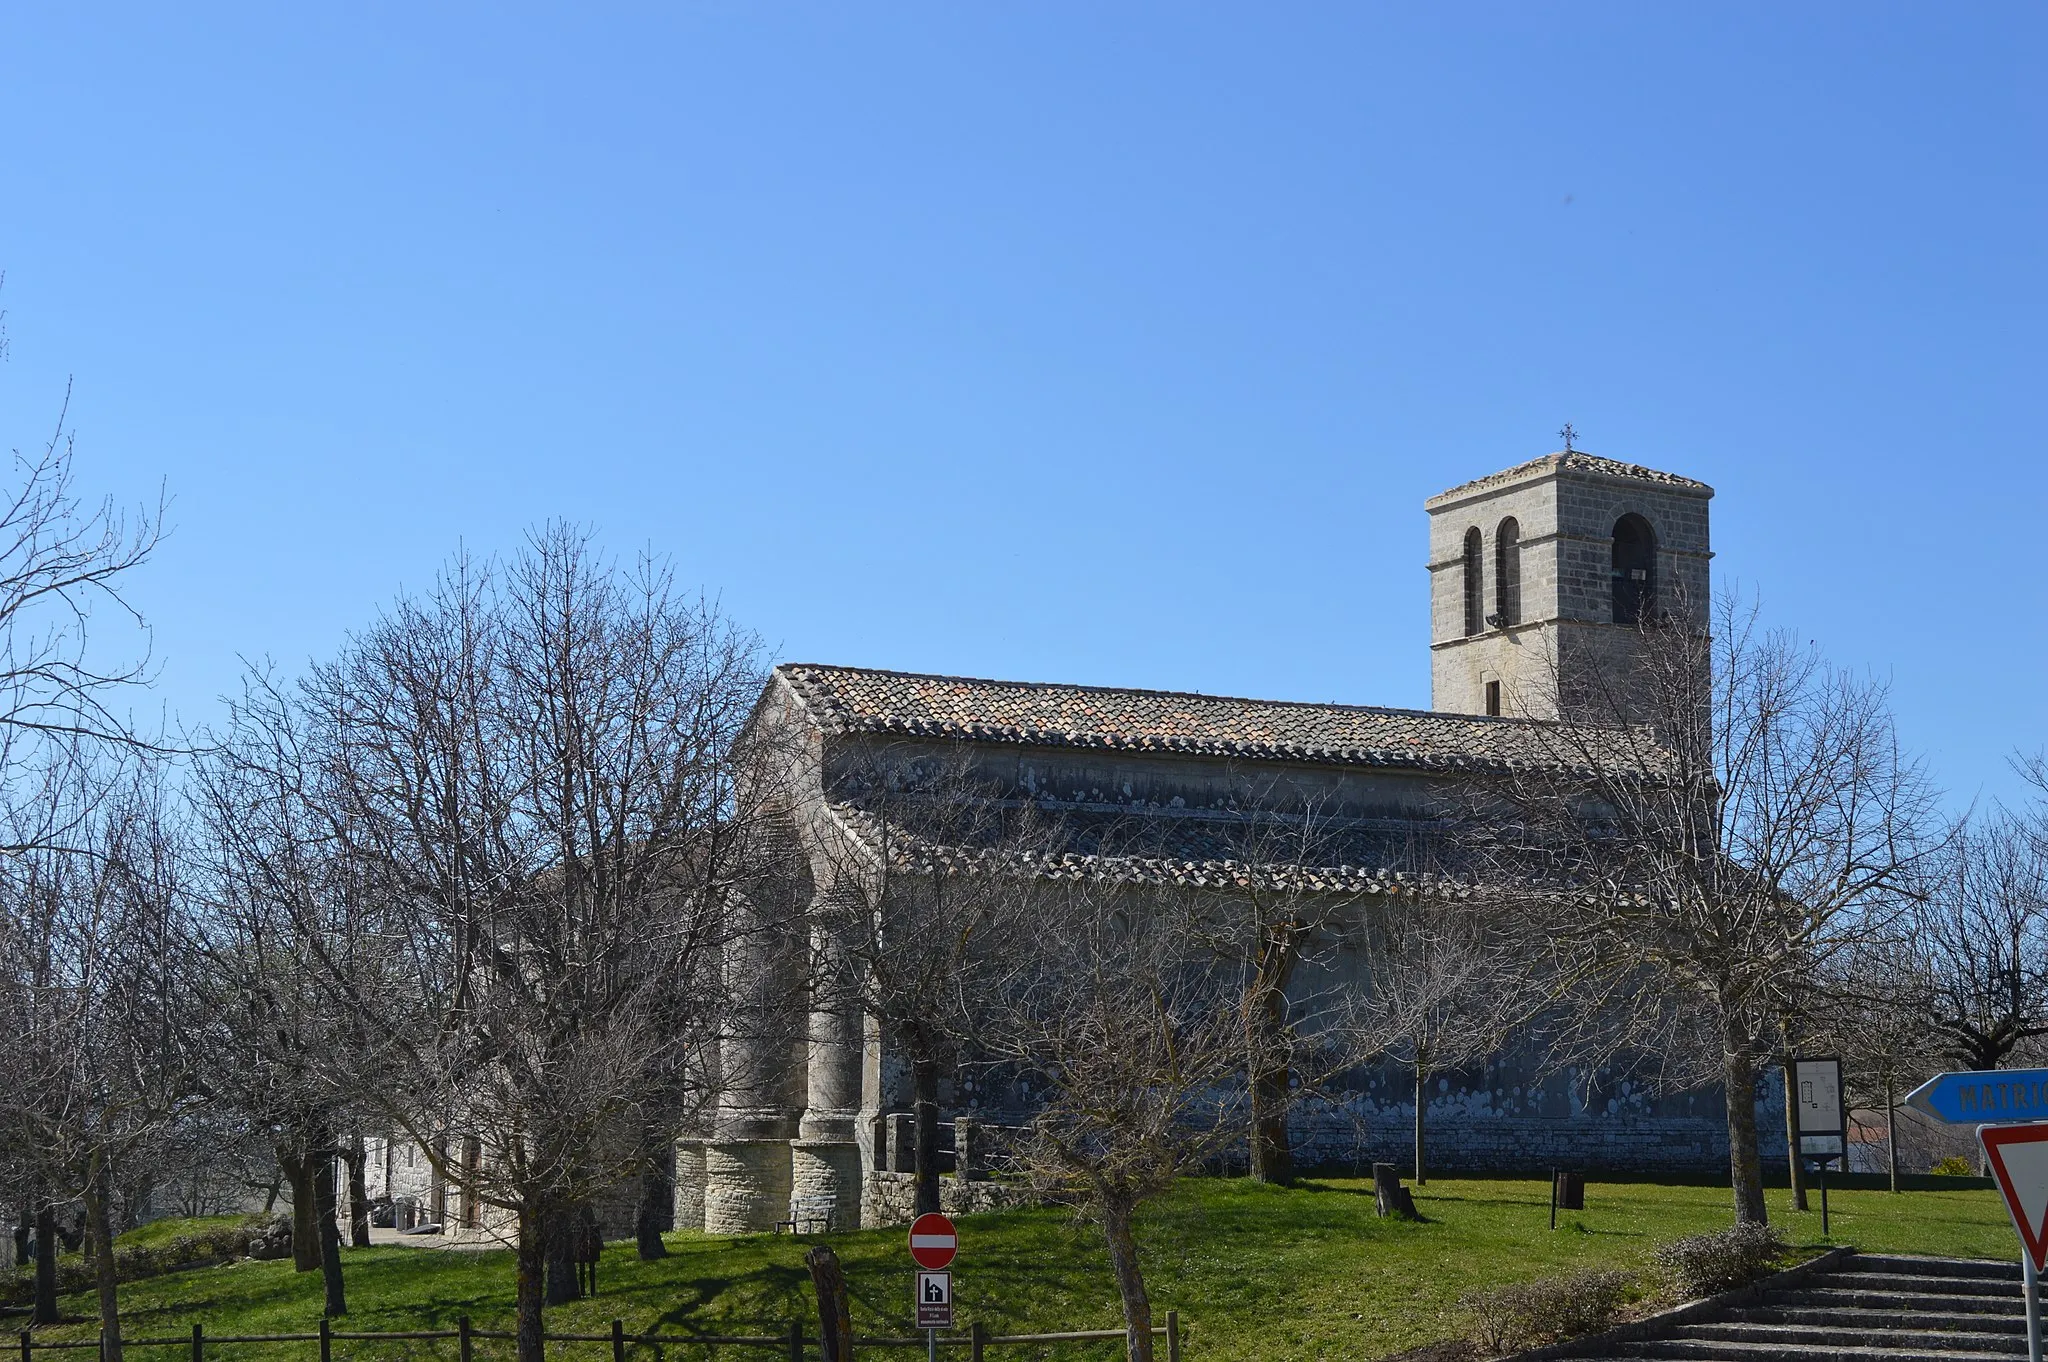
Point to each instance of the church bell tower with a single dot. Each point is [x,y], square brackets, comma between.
[1550,566]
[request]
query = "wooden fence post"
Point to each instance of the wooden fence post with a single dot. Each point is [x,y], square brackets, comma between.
[198,1344]
[835,1317]
[796,1339]
[326,1341]
[1173,1336]
[462,1332]
[618,1340]
[977,1339]
[28,1344]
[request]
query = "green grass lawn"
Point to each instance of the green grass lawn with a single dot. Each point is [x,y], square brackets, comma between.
[1255,1272]
[157,1233]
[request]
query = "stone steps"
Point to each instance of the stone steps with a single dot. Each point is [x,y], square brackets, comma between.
[1713,1350]
[1947,1268]
[1810,1296]
[1920,1282]
[1833,1316]
[1868,1308]
[1879,1336]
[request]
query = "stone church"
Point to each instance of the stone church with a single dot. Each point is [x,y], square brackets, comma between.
[1534,572]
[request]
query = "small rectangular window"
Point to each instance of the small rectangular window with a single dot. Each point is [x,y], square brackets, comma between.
[1493,698]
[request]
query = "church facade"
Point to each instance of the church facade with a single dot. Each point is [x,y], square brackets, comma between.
[1535,573]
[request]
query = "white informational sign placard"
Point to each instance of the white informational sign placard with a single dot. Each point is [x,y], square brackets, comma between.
[934,1300]
[1818,1107]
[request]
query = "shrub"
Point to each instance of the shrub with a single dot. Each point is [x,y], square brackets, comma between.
[1702,1264]
[1449,1350]
[132,1262]
[1954,1166]
[1547,1310]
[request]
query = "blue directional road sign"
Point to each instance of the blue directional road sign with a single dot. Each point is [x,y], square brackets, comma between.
[1985,1097]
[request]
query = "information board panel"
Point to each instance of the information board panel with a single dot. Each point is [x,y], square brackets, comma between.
[1819,1114]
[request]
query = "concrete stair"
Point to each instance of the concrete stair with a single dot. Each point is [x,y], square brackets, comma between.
[1871,1307]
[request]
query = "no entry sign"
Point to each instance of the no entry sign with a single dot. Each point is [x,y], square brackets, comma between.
[933,1241]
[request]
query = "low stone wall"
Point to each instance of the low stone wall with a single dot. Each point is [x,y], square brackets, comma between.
[1470,1134]
[1516,1145]
[891,1198]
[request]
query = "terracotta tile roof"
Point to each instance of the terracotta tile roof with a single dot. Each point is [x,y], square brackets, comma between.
[1145,846]
[846,701]
[1576,461]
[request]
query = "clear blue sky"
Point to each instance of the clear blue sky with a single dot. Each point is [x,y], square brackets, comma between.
[1108,343]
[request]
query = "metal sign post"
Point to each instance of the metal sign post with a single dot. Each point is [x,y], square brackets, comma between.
[933,1242]
[2018,1155]
[2032,1280]
[1820,1120]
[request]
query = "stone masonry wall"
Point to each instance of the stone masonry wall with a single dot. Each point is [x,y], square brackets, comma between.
[1474,1130]
[891,1198]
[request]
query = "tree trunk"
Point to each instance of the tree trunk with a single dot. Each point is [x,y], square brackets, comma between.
[46,1264]
[528,1344]
[835,1318]
[99,1232]
[1792,1160]
[336,1303]
[559,1232]
[133,1197]
[1421,1115]
[298,1171]
[1745,1171]
[1891,1132]
[359,1192]
[1265,1019]
[657,1209]
[1130,1282]
[1272,1154]
[657,1205]
[924,1084]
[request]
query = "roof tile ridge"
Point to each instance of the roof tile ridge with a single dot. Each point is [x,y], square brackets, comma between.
[1576,460]
[1096,689]
[823,708]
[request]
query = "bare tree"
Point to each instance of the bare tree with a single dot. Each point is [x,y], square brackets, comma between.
[901,934]
[1280,900]
[66,564]
[92,1028]
[1872,1012]
[289,936]
[1733,812]
[1136,1032]
[1979,940]
[1448,979]
[529,773]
